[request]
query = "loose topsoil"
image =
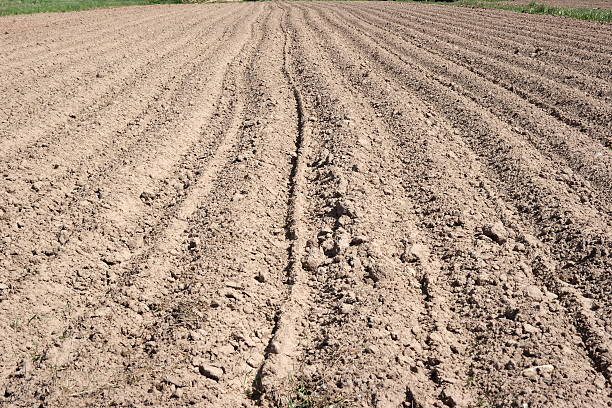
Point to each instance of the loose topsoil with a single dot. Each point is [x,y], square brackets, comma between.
[304,204]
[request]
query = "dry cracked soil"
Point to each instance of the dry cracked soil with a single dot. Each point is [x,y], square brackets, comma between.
[305,205]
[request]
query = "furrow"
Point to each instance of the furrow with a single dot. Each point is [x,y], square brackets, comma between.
[235,268]
[353,255]
[34,37]
[577,57]
[160,274]
[54,47]
[87,100]
[574,109]
[570,34]
[504,49]
[280,362]
[305,204]
[66,193]
[558,143]
[75,71]
[541,216]
[434,206]
[99,233]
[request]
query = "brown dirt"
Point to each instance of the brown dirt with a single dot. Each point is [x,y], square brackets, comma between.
[360,204]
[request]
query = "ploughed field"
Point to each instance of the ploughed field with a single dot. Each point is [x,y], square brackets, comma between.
[302,204]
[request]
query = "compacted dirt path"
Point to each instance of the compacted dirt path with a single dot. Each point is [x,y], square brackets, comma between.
[305,205]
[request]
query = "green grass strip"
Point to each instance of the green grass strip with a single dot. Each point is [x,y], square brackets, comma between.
[591,14]
[11,7]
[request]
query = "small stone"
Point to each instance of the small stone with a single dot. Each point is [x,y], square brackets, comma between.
[529,240]
[177,393]
[25,368]
[371,349]
[325,157]
[174,380]
[254,362]
[195,335]
[210,371]
[234,285]
[117,257]
[527,328]
[344,207]
[275,347]
[49,250]
[346,308]
[343,241]
[535,371]
[436,338]
[415,253]
[101,312]
[147,197]
[324,233]
[226,349]
[232,294]
[551,296]
[260,277]
[511,313]
[526,269]
[57,356]
[135,242]
[111,276]
[238,196]
[312,260]
[342,186]
[600,382]
[497,232]
[248,308]
[37,186]
[63,237]
[248,341]
[533,292]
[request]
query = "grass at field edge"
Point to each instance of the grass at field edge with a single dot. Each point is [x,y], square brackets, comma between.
[580,13]
[14,7]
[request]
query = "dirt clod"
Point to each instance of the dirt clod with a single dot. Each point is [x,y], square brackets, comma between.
[496,231]
[210,371]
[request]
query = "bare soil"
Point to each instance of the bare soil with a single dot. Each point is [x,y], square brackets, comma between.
[305,204]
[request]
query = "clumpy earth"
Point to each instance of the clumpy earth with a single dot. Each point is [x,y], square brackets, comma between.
[305,204]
